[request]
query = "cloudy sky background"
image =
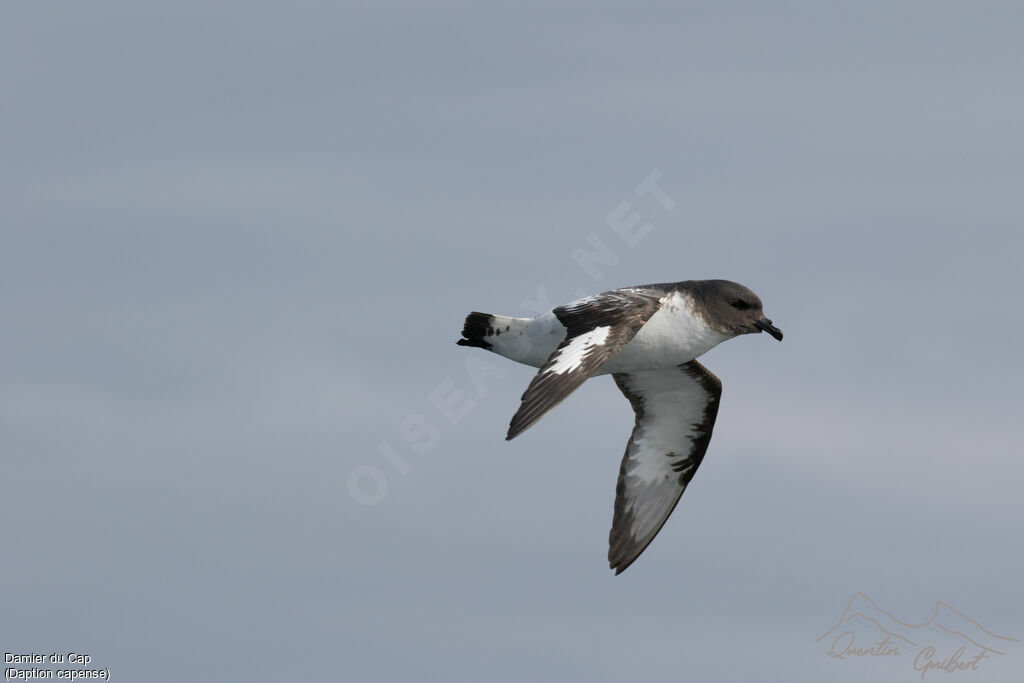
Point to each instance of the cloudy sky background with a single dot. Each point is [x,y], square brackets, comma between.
[237,242]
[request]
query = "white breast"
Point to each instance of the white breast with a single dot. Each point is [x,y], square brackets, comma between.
[675,334]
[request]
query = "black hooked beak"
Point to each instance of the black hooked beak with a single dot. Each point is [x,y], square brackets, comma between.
[765,325]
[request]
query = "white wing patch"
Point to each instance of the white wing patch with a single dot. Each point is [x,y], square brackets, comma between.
[665,429]
[596,328]
[675,414]
[575,352]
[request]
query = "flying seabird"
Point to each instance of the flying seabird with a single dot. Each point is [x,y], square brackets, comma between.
[647,338]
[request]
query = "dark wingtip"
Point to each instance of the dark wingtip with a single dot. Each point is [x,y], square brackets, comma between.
[620,565]
[615,559]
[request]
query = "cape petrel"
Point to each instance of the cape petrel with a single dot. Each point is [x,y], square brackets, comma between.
[647,338]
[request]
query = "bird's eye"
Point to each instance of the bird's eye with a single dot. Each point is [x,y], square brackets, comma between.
[740,304]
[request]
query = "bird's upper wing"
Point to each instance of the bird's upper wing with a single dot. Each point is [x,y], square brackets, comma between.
[597,328]
[675,413]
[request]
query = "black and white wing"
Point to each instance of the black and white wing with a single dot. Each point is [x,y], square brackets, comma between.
[597,328]
[675,413]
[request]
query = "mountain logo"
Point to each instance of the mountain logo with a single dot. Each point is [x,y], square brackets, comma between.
[949,641]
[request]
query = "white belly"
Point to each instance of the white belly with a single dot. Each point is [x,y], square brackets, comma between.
[673,335]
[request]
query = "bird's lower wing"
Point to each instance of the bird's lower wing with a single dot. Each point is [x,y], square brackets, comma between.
[675,414]
[597,328]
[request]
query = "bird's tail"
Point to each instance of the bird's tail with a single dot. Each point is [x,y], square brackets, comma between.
[483,329]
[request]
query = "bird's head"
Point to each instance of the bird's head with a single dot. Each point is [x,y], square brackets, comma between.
[734,309]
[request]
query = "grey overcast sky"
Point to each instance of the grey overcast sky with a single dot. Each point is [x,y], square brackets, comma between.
[237,242]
